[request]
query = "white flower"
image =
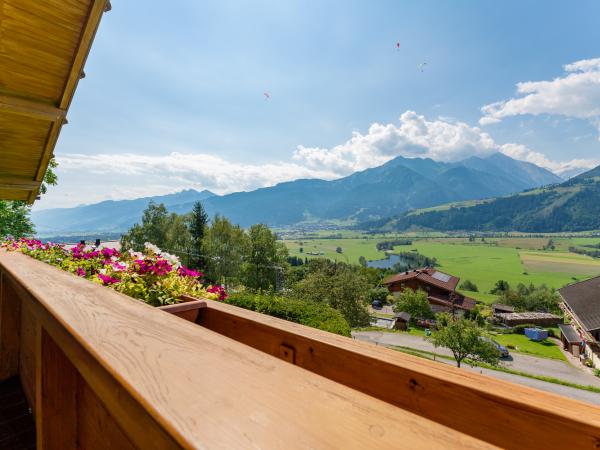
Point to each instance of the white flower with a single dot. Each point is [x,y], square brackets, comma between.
[136,255]
[102,271]
[173,260]
[150,246]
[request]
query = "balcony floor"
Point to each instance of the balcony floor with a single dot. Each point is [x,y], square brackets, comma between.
[17,428]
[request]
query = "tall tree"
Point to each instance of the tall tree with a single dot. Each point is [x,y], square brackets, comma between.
[225,246]
[266,258]
[415,303]
[197,226]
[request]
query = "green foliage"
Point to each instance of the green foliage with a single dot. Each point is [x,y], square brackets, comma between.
[338,250]
[500,287]
[532,298]
[362,261]
[50,177]
[312,314]
[389,245]
[415,303]
[413,260]
[225,246]
[378,293]
[468,285]
[14,219]
[198,223]
[465,339]
[153,229]
[265,260]
[340,286]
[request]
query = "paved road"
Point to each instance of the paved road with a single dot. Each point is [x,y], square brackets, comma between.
[523,363]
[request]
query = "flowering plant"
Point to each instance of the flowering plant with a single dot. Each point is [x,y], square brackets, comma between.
[154,276]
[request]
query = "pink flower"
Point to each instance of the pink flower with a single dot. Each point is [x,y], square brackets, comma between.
[216,289]
[80,272]
[185,272]
[107,280]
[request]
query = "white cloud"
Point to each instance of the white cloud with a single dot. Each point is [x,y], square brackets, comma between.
[442,140]
[576,94]
[560,168]
[92,178]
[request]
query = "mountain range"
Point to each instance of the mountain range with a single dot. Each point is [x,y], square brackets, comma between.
[397,186]
[573,205]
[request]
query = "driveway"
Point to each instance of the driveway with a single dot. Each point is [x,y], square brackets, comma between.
[523,363]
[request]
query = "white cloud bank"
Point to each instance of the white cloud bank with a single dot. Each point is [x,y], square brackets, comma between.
[576,94]
[93,178]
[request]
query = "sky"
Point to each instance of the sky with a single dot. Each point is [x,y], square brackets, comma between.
[174,94]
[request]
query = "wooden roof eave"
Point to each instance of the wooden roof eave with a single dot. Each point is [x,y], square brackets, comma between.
[97,8]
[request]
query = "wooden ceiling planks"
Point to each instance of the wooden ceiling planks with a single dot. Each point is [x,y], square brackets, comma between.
[43,48]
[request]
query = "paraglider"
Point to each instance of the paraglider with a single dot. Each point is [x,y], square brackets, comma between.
[267,95]
[422,66]
[398,45]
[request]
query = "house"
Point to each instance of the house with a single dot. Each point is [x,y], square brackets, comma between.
[440,288]
[499,308]
[401,321]
[581,303]
[541,319]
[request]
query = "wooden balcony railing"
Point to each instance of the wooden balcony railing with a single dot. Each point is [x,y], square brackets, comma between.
[101,370]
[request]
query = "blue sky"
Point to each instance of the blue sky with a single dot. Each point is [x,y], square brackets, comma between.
[173,96]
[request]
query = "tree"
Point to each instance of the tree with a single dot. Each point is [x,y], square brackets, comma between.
[500,287]
[197,226]
[152,229]
[362,261]
[15,218]
[225,246]
[265,259]
[465,339]
[415,303]
[468,285]
[337,285]
[338,250]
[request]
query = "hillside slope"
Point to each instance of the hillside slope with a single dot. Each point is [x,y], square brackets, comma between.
[399,185]
[571,206]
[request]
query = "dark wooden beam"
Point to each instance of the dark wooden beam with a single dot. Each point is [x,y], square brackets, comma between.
[11,183]
[30,108]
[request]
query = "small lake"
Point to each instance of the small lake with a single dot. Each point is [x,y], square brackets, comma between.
[386,263]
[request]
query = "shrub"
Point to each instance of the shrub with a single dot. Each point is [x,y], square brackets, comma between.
[312,314]
[468,285]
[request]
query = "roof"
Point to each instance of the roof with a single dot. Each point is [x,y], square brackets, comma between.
[583,299]
[428,275]
[402,315]
[502,307]
[43,48]
[527,315]
[569,333]
[466,303]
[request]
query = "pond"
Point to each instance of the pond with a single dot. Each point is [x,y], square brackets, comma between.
[386,263]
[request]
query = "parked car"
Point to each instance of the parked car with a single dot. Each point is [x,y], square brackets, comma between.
[504,353]
[377,304]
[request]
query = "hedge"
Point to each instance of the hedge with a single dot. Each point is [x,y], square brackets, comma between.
[312,314]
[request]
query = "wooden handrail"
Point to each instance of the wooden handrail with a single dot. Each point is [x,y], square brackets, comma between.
[499,412]
[112,371]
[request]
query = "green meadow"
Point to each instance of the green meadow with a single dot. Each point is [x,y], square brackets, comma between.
[515,259]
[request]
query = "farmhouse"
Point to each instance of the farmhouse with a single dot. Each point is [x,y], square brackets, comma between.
[541,319]
[581,303]
[440,288]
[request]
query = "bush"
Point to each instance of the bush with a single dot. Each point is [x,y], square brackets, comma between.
[312,314]
[468,285]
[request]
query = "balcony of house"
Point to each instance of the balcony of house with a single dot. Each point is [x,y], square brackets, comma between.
[101,370]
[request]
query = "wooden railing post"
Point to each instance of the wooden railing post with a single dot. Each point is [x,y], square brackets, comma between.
[56,397]
[10,329]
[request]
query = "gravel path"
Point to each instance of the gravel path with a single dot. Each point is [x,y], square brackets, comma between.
[524,363]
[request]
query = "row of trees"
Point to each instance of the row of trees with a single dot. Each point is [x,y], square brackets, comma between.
[225,252]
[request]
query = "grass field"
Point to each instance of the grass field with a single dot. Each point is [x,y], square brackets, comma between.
[522,344]
[514,259]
